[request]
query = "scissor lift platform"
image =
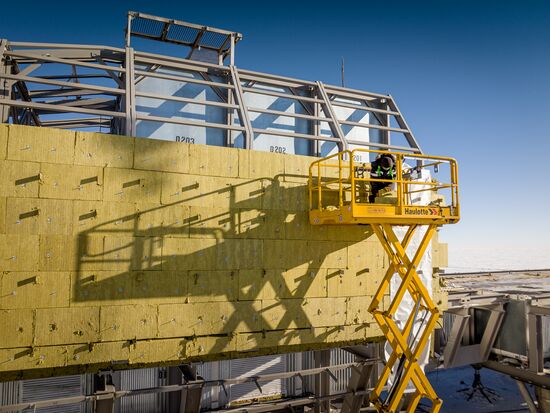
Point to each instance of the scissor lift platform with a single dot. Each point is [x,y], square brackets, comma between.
[376,213]
[340,193]
[335,183]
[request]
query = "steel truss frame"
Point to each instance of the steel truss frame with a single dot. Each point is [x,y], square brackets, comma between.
[407,345]
[182,33]
[459,354]
[94,86]
[105,399]
[526,367]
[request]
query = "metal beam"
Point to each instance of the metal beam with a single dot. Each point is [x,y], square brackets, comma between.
[174,63]
[151,68]
[519,373]
[535,343]
[95,103]
[89,47]
[188,122]
[281,95]
[63,108]
[288,114]
[365,108]
[73,62]
[77,123]
[371,126]
[335,123]
[64,92]
[187,100]
[217,90]
[111,73]
[183,79]
[307,108]
[5,90]
[527,397]
[129,97]
[99,89]
[243,112]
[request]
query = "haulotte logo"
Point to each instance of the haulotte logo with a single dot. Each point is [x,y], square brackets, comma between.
[421,211]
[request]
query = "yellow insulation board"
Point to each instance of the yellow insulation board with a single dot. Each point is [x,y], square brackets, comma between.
[121,252]
[98,149]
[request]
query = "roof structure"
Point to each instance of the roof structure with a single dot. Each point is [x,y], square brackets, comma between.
[182,33]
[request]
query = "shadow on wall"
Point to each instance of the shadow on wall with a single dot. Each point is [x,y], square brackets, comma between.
[190,251]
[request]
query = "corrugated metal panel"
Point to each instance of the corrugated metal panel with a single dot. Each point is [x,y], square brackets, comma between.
[163,381]
[308,363]
[448,320]
[87,386]
[208,371]
[53,388]
[294,386]
[339,356]
[257,365]
[224,372]
[546,336]
[10,392]
[139,379]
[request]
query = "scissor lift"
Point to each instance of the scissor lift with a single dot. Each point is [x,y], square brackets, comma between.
[339,195]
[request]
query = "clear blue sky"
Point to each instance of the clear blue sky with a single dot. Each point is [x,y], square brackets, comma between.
[471,77]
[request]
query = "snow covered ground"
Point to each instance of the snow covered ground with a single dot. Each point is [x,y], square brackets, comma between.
[487,258]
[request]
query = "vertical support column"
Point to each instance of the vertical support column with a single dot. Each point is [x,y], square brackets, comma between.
[378,353]
[229,112]
[229,116]
[387,122]
[192,394]
[321,358]
[232,50]
[174,398]
[536,356]
[105,393]
[128,29]
[316,127]
[130,93]
[5,87]
[358,382]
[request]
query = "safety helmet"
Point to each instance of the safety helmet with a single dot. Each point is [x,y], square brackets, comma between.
[387,161]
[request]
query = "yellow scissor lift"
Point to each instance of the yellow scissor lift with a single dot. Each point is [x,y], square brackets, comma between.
[339,195]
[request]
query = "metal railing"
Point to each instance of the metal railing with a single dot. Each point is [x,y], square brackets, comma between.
[89,86]
[342,179]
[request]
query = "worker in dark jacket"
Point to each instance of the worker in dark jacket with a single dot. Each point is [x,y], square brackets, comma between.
[383,167]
